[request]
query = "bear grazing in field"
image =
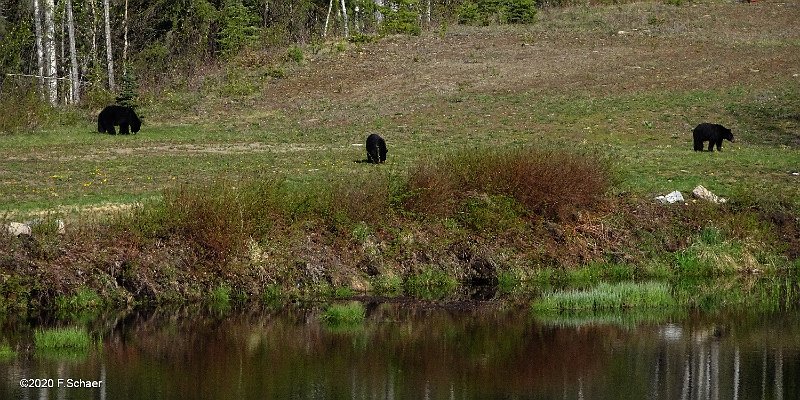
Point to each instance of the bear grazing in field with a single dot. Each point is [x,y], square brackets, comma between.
[376,149]
[118,115]
[711,133]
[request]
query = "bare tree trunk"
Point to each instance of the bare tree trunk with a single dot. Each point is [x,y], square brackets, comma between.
[94,33]
[50,52]
[346,24]
[328,18]
[62,70]
[125,43]
[109,54]
[76,87]
[39,50]
[428,14]
[378,13]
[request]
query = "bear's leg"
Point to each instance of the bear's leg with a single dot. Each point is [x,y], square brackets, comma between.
[710,145]
[110,129]
[123,129]
[698,145]
[719,145]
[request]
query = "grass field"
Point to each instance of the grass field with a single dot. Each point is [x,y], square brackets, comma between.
[257,183]
[626,83]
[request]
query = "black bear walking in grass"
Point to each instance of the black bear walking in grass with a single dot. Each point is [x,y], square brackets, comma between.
[118,115]
[376,149]
[711,133]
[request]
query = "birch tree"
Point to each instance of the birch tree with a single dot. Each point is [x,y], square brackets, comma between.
[428,14]
[378,13]
[50,51]
[109,54]
[327,19]
[125,41]
[73,55]
[346,27]
[94,33]
[37,23]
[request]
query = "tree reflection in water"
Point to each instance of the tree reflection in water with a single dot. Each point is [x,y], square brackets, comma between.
[420,350]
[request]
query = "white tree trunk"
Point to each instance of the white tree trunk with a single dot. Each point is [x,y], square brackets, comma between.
[378,13]
[327,19]
[428,14]
[109,54]
[39,50]
[76,87]
[125,42]
[94,33]
[50,52]
[346,24]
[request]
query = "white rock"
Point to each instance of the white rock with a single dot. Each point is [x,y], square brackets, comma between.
[18,228]
[671,198]
[704,194]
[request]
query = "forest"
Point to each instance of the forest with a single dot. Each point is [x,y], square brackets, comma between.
[68,51]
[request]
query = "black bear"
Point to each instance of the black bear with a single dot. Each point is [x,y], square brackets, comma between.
[118,115]
[376,149]
[711,133]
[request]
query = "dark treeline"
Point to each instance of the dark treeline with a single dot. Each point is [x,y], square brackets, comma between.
[47,45]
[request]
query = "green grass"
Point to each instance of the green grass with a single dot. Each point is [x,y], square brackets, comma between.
[352,313]
[387,285]
[564,120]
[66,342]
[430,284]
[220,298]
[604,296]
[6,352]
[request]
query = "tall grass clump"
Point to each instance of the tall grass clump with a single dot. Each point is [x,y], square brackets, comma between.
[362,198]
[6,352]
[68,341]
[220,298]
[430,284]
[21,107]
[216,219]
[351,313]
[549,183]
[604,297]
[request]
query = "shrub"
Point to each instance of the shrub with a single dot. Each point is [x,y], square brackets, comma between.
[295,53]
[237,27]
[552,184]
[402,18]
[485,12]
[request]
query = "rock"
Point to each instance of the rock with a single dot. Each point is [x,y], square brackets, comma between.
[671,198]
[704,194]
[18,228]
[26,228]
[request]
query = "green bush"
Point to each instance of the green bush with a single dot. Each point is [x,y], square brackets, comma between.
[486,12]
[403,18]
[295,53]
[237,29]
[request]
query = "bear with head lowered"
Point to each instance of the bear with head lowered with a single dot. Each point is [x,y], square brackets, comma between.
[118,115]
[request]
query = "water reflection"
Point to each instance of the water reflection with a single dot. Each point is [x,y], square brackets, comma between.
[412,350]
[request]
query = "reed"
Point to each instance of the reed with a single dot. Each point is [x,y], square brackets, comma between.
[605,296]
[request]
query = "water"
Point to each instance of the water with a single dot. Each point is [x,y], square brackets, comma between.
[420,351]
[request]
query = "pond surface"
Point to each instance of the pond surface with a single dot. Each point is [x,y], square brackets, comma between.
[418,351]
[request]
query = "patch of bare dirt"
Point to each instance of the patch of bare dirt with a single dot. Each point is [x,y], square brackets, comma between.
[601,51]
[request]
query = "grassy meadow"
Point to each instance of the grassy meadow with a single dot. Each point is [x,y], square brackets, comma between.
[248,180]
